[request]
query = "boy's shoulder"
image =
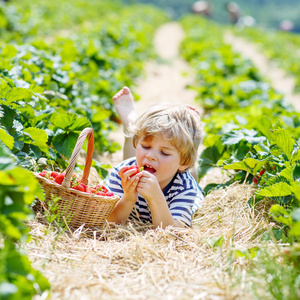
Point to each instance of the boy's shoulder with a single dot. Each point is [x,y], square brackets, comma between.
[186,180]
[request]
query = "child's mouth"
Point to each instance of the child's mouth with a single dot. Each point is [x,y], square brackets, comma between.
[149,169]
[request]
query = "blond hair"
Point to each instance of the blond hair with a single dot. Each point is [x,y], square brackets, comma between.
[175,122]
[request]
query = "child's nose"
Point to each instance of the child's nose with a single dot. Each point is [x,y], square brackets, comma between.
[151,156]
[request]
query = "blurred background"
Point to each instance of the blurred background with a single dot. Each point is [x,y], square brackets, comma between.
[267,13]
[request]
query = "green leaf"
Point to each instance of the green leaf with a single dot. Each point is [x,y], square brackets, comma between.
[264,125]
[209,158]
[64,143]
[284,141]
[8,229]
[296,190]
[295,229]
[15,94]
[235,136]
[280,214]
[279,189]
[215,242]
[296,156]
[80,124]
[39,138]
[6,138]
[249,164]
[287,173]
[6,157]
[296,173]
[70,121]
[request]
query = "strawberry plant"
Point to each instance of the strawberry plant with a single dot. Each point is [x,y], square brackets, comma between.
[18,187]
[51,91]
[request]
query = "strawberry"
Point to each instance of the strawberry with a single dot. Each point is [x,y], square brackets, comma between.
[91,190]
[134,167]
[109,194]
[255,180]
[101,194]
[54,174]
[261,173]
[80,187]
[43,174]
[60,178]
[101,188]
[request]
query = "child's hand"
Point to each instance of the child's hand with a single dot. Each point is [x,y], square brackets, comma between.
[129,181]
[148,186]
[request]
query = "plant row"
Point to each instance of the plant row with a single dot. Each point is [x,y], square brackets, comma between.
[51,90]
[252,134]
[250,129]
[270,43]
[60,63]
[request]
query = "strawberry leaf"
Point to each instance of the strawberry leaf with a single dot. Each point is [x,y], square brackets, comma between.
[64,143]
[249,164]
[235,136]
[284,141]
[6,138]
[39,138]
[70,121]
[15,94]
[279,189]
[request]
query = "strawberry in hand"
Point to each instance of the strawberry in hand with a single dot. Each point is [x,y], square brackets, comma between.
[134,167]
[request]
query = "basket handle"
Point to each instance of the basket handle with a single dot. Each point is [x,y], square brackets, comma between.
[87,132]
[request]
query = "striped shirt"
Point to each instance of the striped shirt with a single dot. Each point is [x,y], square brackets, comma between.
[183,195]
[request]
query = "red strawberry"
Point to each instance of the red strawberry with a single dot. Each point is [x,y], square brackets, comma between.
[261,173]
[60,178]
[80,187]
[134,167]
[54,174]
[101,188]
[91,190]
[109,194]
[101,194]
[43,174]
[255,180]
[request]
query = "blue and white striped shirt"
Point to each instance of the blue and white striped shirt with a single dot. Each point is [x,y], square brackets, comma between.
[183,195]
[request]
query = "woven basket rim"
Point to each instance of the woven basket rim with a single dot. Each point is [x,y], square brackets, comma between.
[88,195]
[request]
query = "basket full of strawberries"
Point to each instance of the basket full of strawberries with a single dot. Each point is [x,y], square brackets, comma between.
[78,202]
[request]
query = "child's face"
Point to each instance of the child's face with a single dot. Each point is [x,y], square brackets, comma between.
[160,158]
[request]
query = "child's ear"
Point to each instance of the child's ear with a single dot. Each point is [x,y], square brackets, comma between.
[183,167]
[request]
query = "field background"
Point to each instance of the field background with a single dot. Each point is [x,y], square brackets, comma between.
[62,62]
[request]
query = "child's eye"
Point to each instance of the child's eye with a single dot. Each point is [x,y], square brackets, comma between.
[164,153]
[146,147]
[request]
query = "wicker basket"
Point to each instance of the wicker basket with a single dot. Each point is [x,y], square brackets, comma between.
[77,207]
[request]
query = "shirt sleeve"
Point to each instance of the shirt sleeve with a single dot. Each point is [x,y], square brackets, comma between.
[114,183]
[184,205]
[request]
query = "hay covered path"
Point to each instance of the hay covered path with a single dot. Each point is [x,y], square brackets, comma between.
[137,262]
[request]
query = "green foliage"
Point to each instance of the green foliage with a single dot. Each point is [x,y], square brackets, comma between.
[250,131]
[60,63]
[270,43]
[42,78]
[18,187]
[276,276]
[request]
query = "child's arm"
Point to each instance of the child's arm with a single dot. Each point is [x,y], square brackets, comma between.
[125,205]
[149,188]
[122,210]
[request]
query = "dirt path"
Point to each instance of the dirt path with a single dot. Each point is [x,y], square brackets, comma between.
[278,78]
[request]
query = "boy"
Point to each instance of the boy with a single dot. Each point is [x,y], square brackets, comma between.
[165,141]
